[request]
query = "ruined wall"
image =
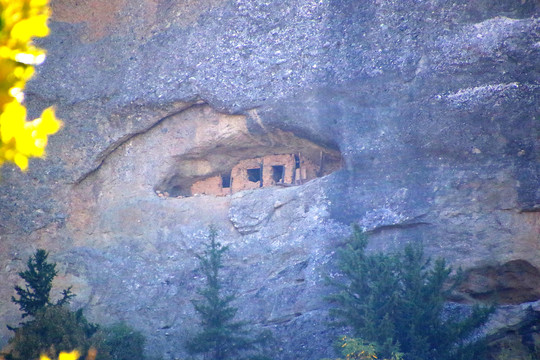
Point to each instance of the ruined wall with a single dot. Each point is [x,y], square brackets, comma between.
[269,170]
[211,186]
[429,107]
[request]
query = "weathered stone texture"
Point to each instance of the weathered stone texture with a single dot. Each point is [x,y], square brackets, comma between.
[433,106]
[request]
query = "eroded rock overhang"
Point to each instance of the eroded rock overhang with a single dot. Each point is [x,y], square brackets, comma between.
[236,160]
[200,151]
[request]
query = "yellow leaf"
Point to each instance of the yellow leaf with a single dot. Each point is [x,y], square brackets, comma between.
[21,161]
[12,121]
[25,29]
[38,3]
[49,124]
[20,139]
[74,355]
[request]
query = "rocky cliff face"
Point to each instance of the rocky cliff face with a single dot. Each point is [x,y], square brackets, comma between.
[429,107]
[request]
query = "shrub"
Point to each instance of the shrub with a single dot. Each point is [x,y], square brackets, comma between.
[397,303]
[123,342]
[57,329]
[358,349]
[53,329]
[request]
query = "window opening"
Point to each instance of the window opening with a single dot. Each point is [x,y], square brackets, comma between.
[254,175]
[226,180]
[296,161]
[277,173]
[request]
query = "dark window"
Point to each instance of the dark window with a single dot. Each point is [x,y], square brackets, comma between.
[277,173]
[178,190]
[254,175]
[226,180]
[296,161]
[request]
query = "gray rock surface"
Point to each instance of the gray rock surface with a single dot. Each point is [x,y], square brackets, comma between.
[432,104]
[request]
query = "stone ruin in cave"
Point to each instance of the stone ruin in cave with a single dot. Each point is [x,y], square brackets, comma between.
[264,171]
[270,170]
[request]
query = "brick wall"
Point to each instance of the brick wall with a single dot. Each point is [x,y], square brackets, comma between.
[284,169]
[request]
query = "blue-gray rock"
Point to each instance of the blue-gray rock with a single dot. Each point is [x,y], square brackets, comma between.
[433,106]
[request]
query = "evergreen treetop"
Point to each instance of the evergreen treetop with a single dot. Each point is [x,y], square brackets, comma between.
[38,277]
[221,337]
[396,301]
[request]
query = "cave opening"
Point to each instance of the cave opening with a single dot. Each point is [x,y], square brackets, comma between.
[284,160]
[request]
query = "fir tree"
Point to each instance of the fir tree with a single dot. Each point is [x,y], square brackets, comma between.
[55,328]
[397,302]
[38,278]
[221,337]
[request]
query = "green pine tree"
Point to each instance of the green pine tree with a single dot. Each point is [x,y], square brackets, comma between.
[54,327]
[38,278]
[221,336]
[397,302]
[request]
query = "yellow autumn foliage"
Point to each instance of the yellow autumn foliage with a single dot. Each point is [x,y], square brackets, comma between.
[74,355]
[20,21]
[358,349]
